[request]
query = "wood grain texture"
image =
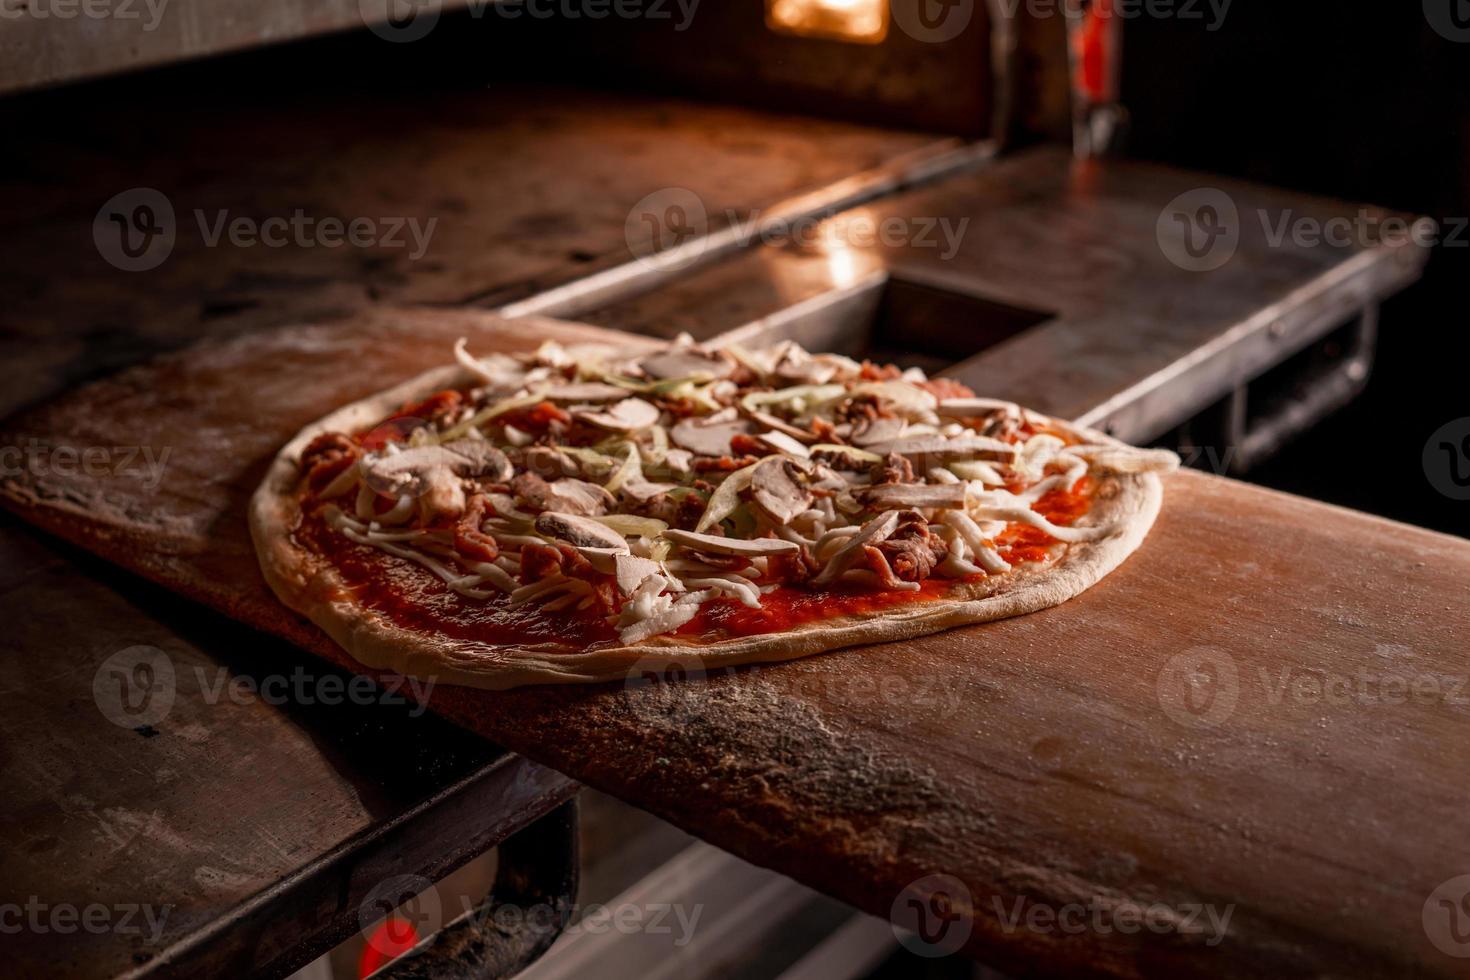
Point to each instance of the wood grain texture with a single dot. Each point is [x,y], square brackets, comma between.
[1263,712]
[515,189]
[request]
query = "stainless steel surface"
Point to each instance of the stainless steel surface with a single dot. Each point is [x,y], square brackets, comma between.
[1312,396]
[533,898]
[1129,341]
[44,42]
[654,268]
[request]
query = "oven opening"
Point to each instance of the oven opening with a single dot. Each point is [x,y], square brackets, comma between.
[925,327]
[889,319]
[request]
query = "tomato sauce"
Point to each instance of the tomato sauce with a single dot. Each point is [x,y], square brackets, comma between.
[414,598]
[1024,543]
[791,606]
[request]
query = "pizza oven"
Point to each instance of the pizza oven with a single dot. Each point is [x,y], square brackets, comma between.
[946,185]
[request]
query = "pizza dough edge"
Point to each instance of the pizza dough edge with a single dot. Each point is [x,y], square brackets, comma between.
[307,584]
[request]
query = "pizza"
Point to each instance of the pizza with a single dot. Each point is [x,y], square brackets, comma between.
[563,516]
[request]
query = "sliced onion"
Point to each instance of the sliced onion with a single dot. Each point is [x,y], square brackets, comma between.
[632,469]
[725,499]
[631,525]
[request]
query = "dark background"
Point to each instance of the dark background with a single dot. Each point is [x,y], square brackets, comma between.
[1367,106]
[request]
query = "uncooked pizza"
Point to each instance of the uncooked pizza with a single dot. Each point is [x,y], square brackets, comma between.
[565,515]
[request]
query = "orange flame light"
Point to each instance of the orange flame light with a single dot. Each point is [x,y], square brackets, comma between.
[857,21]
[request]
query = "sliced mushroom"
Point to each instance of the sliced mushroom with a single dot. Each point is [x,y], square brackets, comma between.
[772,422]
[573,496]
[965,408]
[914,495]
[549,463]
[783,443]
[795,364]
[686,362]
[641,491]
[588,391]
[580,532]
[434,473]
[969,447]
[871,431]
[778,486]
[873,532]
[567,495]
[729,546]
[628,415]
[707,437]
[679,461]
[846,457]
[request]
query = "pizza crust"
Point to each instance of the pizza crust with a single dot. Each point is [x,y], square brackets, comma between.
[308,584]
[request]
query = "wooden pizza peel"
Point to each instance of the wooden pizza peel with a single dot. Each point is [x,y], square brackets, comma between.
[1241,754]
